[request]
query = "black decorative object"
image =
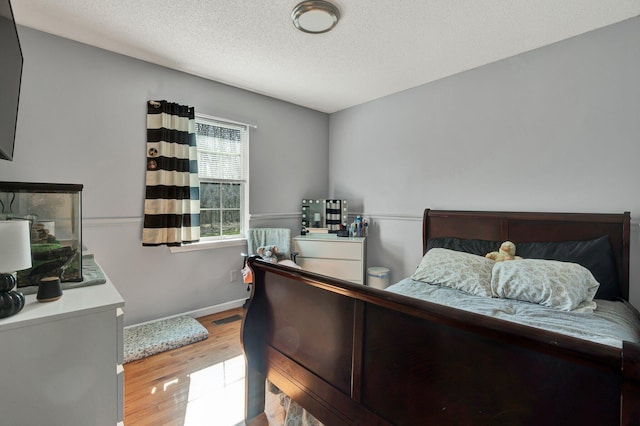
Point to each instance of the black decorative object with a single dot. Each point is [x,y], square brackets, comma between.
[49,289]
[11,302]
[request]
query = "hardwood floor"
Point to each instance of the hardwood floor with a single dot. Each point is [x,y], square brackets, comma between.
[201,384]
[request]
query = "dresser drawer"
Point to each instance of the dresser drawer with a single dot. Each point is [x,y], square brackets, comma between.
[348,270]
[329,249]
[333,256]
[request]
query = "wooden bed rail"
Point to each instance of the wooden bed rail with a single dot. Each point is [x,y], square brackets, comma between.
[352,354]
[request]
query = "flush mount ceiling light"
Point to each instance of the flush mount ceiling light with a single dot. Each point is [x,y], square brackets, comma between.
[315,16]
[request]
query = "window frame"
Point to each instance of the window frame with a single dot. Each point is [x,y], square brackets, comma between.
[236,239]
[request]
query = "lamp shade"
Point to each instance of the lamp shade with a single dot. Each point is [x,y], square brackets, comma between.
[15,245]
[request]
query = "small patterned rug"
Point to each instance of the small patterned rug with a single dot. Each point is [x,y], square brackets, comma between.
[154,337]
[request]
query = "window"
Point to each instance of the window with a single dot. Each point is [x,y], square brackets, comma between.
[223,174]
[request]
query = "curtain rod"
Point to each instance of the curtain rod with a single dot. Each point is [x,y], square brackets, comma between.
[225,120]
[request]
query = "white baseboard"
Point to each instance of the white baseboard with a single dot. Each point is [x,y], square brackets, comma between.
[216,308]
[200,312]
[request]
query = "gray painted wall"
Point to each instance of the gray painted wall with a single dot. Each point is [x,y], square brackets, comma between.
[82,119]
[555,129]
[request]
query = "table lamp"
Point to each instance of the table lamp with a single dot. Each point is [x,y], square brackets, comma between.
[15,255]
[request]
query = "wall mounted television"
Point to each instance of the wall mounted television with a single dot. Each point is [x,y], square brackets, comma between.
[10,78]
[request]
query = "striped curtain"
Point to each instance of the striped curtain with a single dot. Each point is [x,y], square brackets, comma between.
[172,202]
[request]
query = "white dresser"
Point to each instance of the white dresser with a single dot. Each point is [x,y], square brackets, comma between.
[62,360]
[328,254]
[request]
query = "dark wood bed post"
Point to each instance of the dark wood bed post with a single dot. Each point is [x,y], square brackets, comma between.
[425,226]
[254,356]
[626,253]
[630,398]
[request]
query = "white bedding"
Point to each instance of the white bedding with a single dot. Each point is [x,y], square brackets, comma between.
[281,410]
[610,324]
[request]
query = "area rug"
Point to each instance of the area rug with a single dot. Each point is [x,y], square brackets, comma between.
[143,340]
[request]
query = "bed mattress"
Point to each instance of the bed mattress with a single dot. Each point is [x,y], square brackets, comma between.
[610,323]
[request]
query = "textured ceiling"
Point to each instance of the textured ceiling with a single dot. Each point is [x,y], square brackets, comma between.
[379,47]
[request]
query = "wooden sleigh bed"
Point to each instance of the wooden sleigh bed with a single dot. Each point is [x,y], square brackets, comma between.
[355,355]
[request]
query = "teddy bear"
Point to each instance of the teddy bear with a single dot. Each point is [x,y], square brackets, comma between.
[507,252]
[268,253]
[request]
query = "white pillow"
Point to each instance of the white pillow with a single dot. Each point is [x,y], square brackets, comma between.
[463,271]
[561,285]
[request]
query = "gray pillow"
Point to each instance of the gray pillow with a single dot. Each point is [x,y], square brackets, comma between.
[478,247]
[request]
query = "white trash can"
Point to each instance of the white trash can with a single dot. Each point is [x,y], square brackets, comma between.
[378,277]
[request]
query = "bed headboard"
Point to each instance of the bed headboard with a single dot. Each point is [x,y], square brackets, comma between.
[522,227]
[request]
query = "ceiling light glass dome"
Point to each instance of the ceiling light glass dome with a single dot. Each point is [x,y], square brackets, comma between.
[315,17]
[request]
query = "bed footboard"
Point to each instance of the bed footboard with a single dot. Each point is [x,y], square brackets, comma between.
[630,398]
[351,354]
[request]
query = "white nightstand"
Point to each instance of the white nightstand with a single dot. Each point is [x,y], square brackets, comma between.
[328,254]
[63,360]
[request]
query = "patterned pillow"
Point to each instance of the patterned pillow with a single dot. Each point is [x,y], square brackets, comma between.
[561,285]
[462,271]
[595,255]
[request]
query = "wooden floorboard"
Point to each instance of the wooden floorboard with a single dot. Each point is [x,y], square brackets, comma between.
[196,385]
